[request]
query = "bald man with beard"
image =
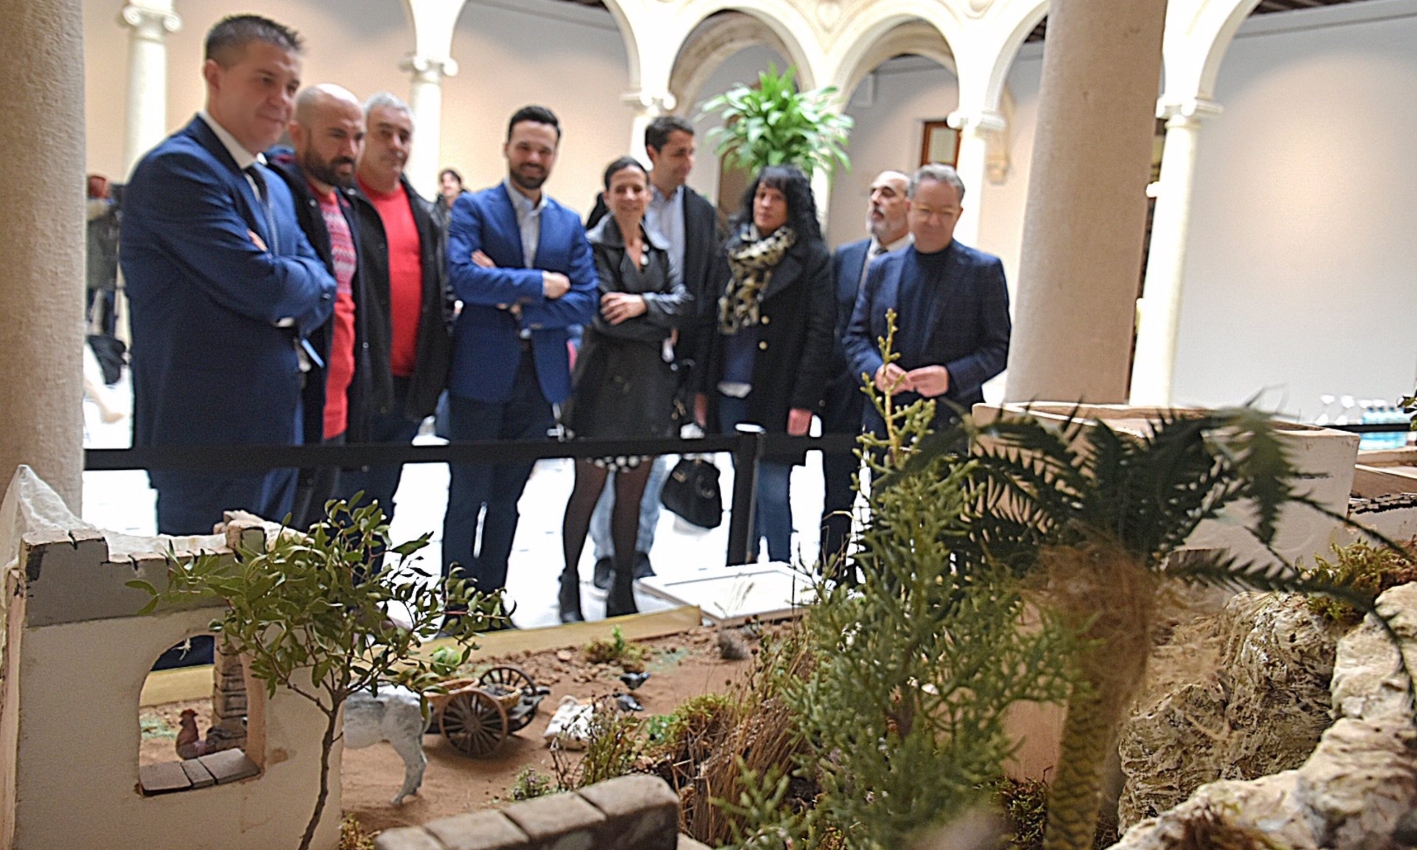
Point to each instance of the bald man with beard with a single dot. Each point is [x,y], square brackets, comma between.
[327,136]
[844,403]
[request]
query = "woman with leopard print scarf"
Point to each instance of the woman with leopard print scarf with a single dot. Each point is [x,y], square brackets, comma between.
[776,315]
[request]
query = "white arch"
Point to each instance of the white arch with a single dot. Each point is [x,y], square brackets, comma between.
[785,22]
[711,44]
[1198,34]
[625,22]
[1009,26]
[877,45]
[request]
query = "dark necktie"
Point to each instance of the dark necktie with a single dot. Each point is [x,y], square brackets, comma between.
[260,183]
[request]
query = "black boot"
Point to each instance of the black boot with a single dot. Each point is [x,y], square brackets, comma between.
[570,599]
[621,598]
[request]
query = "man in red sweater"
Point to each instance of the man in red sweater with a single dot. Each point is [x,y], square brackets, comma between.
[408,327]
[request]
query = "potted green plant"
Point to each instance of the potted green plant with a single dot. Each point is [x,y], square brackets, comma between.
[773,123]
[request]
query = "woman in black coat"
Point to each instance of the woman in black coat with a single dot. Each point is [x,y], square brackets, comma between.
[769,361]
[624,379]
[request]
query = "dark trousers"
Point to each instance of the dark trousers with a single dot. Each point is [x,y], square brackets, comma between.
[193,502]
[496,487]
[841,415]
[316,486]
[380,483]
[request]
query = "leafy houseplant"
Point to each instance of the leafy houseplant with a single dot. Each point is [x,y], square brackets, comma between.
[307,614]
[775,124]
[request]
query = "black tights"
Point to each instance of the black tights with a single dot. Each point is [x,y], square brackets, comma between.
[624,517]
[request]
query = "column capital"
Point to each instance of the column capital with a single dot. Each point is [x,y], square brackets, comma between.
[981,121]
[1186,111]
[650,103]
[140,16]
[428,69]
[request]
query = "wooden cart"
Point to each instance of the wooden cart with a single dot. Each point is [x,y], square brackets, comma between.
[476,715]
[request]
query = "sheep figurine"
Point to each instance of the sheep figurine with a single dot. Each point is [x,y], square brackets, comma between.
[396,716]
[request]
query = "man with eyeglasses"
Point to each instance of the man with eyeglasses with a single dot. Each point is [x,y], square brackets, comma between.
[951,303]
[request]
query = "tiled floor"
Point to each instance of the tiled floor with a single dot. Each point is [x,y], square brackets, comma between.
[122,501]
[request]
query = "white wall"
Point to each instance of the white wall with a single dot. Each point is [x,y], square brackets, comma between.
[537,51]
[1302,260]
[356,43]
[510,54]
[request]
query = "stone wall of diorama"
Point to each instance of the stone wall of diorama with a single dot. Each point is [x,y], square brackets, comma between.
[74,667]
[1237,693]
[1353,790]
[627,813]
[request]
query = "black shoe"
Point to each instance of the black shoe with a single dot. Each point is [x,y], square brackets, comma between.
[569,600]
[601,577]
[642,567]
[621,599]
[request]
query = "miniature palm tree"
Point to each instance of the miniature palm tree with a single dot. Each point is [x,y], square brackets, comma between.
[308,614]
[1094,516]
[775,124]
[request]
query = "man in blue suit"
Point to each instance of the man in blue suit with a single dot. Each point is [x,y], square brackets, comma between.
[520,263]
[842,406]
[951,303]
[223,284]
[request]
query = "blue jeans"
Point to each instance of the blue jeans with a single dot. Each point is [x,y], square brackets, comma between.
[498,487]
[380,483]
[649,512]
[773,515]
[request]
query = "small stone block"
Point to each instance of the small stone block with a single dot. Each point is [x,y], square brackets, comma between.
[546,820]
[687,843]
[229,766]
[200,776]
[641,811]
[477,831]
[630,794]
[406,838]
[163,778]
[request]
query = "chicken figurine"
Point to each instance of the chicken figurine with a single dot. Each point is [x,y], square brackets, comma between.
[189,742]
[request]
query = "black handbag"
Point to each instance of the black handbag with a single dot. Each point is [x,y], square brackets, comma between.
[691,491]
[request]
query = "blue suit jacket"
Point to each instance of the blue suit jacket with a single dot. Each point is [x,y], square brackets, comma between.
[210,366]
[486,338]
[848,262]
[967,333]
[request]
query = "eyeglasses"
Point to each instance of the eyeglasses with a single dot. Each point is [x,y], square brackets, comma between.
[943,214]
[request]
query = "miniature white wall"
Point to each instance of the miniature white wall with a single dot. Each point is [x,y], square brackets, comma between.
[75,667]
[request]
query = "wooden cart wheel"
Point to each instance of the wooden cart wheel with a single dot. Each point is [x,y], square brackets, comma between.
[474,723]
[512,678]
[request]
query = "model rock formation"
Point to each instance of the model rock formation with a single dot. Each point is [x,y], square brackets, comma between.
[1238,694]
[1353,791]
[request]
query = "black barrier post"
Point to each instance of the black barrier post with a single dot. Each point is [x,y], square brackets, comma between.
[741,528]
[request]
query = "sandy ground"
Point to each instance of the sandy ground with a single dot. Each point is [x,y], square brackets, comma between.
[681,666]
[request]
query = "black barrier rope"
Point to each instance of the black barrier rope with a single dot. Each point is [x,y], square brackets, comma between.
[747,448]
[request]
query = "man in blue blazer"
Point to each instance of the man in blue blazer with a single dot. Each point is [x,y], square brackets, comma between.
[520,263]
[951,303]
[223,284]
[842,406]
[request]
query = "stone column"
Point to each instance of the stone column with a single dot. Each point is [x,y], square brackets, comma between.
[1086,213]
[149,23]
[1159,312]
[976,132]
[426,100]
[42,254]
[647,106]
